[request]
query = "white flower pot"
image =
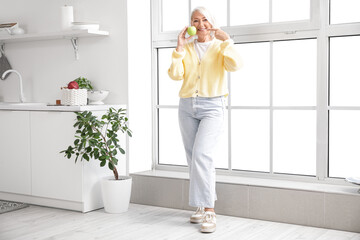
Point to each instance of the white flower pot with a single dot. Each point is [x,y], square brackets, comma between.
[116,194]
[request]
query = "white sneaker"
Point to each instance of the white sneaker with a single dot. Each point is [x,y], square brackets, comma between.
[209,222]
[197,217]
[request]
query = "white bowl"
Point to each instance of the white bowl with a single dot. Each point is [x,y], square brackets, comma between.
[97,97]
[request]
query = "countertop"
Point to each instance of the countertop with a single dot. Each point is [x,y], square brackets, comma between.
[55,108]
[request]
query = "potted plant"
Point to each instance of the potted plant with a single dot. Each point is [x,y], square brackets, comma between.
[99,140]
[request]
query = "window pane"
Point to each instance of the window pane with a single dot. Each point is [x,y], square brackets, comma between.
[250,139]
[171,148]
[344,11]
[294,142]
[175,16]
[244,12]
[217,7]
[290,10]
[168,88]
[294,73]
[222,151]
[345,71]
[250,86]
[344,142]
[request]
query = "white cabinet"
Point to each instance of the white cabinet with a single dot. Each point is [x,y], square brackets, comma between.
[15,174]
[33,170]
[53,175]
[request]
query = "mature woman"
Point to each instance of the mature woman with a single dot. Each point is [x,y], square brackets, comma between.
[201,64]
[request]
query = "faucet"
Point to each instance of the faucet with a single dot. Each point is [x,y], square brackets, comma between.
[22,98]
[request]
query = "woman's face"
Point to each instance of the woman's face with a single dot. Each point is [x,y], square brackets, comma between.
[201,23]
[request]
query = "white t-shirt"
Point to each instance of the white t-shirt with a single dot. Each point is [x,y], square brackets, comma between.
[201,47]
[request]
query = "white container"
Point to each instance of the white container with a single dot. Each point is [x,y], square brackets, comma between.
[116,194]
[74,97]
[67,17]
[97,97]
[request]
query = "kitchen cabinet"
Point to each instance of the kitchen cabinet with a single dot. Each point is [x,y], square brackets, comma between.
[36,172]
[15,171]
[53,175]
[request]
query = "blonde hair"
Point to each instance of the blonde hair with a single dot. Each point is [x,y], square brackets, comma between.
[207,14]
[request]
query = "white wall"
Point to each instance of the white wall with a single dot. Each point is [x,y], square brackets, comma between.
[139,101]
[48,65]
[120,63]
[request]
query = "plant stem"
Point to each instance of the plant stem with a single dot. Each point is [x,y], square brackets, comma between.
[116,174]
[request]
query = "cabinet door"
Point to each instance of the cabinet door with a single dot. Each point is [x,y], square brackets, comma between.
[53,175]
[15,152]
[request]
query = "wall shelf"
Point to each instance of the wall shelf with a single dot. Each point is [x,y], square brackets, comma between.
[50,36]
[72,35]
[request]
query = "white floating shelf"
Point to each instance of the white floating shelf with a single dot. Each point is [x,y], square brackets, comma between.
[50,36]
[72,35]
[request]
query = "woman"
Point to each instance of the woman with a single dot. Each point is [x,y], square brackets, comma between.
[201,65]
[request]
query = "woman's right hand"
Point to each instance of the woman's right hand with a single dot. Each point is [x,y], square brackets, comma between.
[182,40]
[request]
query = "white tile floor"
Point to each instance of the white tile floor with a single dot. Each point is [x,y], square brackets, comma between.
[147,222]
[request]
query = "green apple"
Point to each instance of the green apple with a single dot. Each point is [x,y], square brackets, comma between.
[191,30]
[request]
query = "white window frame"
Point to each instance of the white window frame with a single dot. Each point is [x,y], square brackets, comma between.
[318,27]
[279,27]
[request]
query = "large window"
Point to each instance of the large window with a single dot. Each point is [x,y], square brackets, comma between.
[294,108]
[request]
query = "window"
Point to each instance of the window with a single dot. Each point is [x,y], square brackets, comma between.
[294,10]
[176,15]
[293,109]
[218,6]
[250,140]
[344,133]
[244,12]
[294,70]
[251,85]
[344,11]
[344,143]
[344,71]
[267,139]
[295,142]
[171,16]
[170,141]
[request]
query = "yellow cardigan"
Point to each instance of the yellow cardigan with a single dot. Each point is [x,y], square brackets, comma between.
[205,78]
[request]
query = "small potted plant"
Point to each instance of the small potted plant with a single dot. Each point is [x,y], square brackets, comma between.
[98,139]
[76,92]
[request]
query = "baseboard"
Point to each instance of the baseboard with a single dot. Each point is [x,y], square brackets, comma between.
[48,202]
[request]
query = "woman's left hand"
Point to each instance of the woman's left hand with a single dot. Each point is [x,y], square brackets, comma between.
[220,34]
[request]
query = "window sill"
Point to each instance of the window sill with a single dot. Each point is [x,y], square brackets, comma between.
[347,189]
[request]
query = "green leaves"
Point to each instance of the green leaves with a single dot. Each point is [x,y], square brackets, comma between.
[121,150]
[84,83]
[99,139]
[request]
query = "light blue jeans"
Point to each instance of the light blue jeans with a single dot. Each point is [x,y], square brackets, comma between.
[201,123]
